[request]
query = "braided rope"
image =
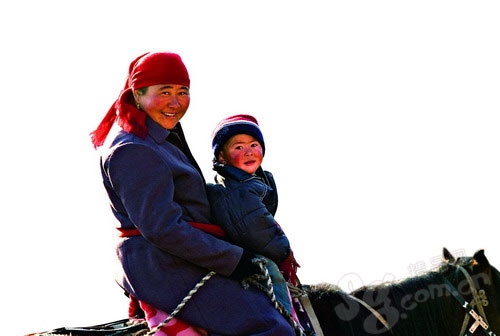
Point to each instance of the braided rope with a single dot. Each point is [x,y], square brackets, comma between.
[182,304]
[254,280]
[269,291]
[295,291]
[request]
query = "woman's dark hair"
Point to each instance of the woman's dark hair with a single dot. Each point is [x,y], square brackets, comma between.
[143,90]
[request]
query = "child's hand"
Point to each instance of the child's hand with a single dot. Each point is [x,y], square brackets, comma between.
[288,268]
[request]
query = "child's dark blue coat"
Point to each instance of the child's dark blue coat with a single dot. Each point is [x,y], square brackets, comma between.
[244,205]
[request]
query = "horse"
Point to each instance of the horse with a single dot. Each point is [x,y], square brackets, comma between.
[430,304]
[423,305]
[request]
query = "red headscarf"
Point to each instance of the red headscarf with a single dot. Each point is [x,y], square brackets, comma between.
[146,70]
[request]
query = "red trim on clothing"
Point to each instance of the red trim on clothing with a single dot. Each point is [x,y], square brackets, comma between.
[122,233]
[209,228]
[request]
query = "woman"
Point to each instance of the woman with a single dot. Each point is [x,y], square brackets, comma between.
[156,190]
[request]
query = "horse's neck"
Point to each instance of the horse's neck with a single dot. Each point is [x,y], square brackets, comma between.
[416,306]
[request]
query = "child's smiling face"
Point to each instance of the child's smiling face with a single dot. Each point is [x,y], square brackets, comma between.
[242,151]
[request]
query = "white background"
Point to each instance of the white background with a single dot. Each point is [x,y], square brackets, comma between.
[381,122]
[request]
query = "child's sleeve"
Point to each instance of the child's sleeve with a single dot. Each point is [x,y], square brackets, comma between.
[247,221]
[262,233]
[271,198]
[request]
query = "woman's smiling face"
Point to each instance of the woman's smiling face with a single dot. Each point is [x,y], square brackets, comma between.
[164,103]
[242,151]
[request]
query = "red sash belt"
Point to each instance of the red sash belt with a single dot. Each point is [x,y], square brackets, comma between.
[209,228]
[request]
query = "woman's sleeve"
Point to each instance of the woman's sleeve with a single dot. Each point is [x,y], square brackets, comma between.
[144,184]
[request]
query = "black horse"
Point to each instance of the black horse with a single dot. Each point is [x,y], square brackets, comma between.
[422,305]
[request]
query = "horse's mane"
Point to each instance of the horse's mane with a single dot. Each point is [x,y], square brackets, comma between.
[423,297]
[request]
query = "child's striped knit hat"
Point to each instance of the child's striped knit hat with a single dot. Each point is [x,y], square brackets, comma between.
[237,124]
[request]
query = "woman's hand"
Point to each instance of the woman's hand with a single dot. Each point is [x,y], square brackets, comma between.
[245,268]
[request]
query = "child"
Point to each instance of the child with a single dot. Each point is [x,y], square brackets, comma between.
[244,199]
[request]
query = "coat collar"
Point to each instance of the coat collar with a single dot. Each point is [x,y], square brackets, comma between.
[157,132]
[234,173]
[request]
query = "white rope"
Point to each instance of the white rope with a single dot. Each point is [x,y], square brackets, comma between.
[268,289]
[182,304]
